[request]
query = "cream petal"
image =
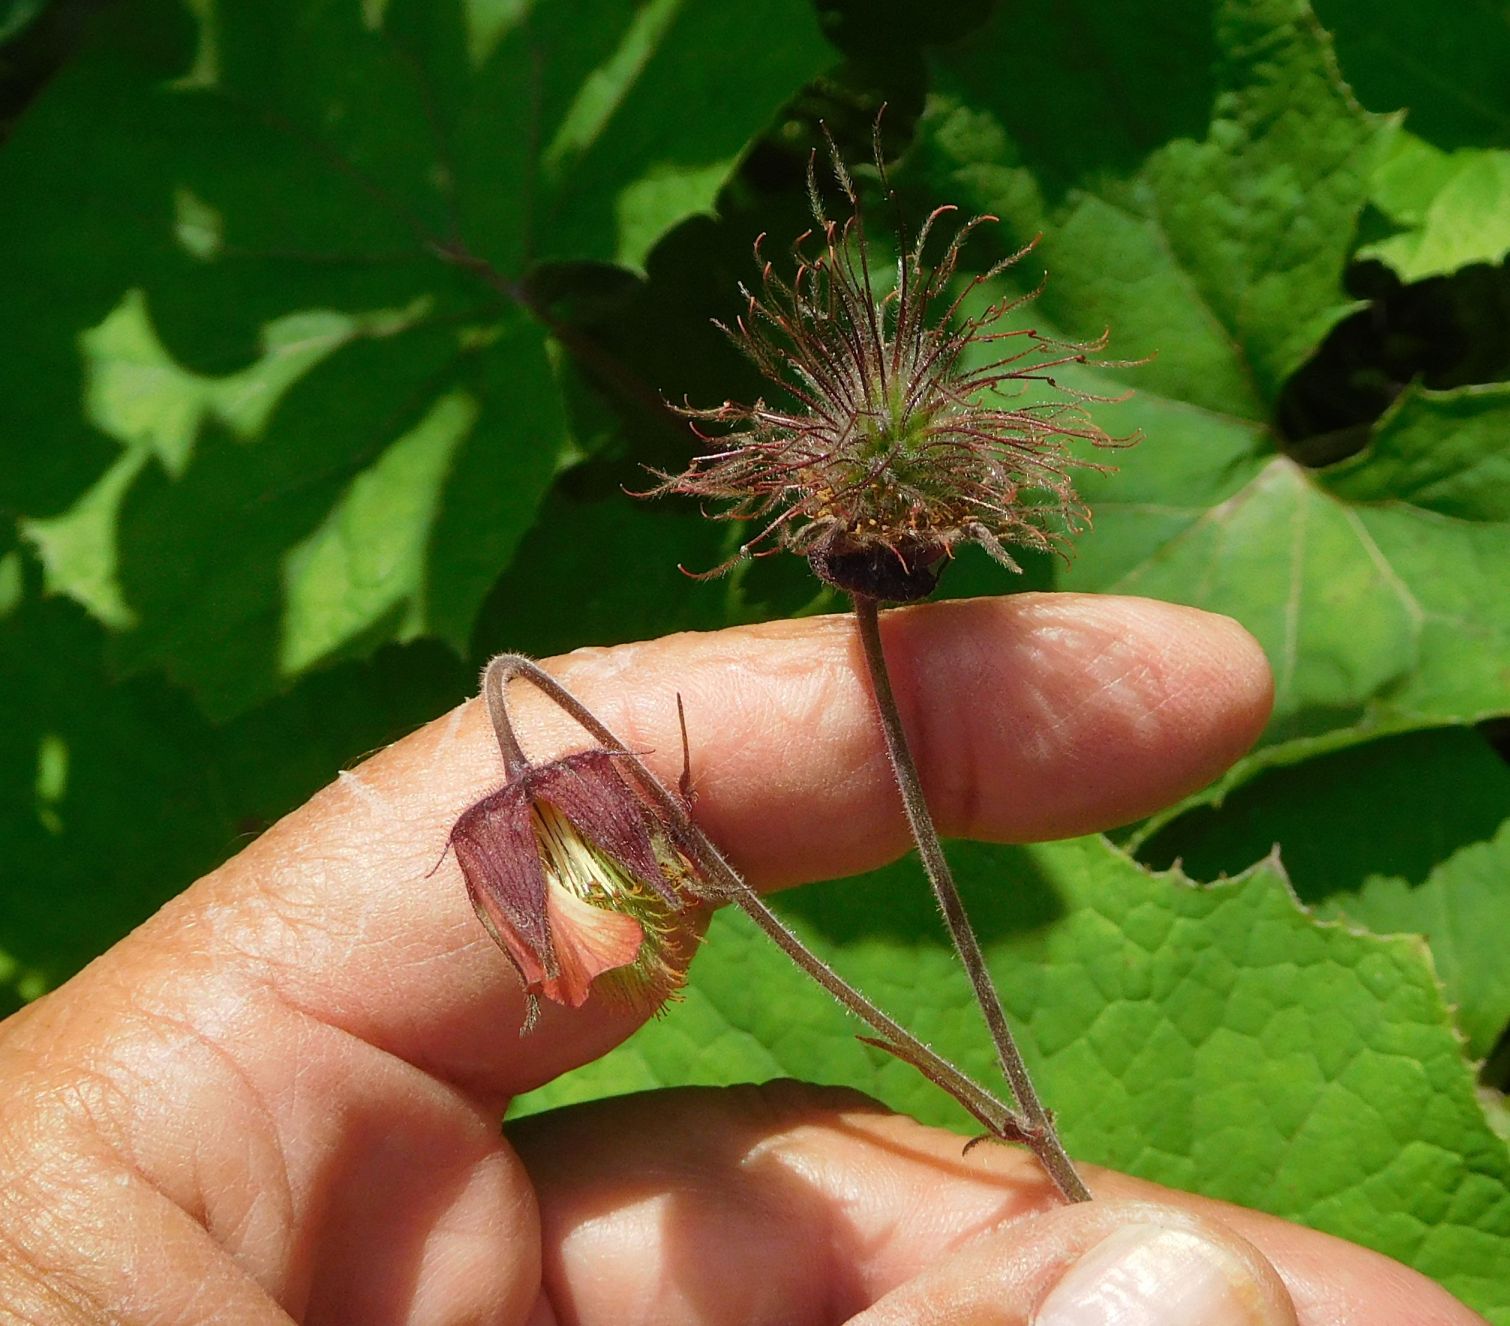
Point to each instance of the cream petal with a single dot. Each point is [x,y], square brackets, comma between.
[588,941]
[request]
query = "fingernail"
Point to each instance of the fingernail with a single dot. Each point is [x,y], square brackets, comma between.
[1147,1275]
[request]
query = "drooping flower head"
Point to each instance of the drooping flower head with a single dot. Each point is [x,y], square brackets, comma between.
[889,450]
[579,882]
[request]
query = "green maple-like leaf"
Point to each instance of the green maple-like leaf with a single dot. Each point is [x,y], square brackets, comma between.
[1370,584]
[289,395]
[1208,221]
[1406,835]
[1212,1038]
[1199,196]
[118,794]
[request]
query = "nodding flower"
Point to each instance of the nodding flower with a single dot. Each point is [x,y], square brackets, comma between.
[580,882]
[888,450]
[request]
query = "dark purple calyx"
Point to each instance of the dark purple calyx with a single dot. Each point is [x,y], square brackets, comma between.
[887,572]
[494,841]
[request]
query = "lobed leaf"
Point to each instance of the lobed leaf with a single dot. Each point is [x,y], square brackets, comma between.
[1407,835]
[1448,210]
[1209,221]
[289,390]
[1215,1038]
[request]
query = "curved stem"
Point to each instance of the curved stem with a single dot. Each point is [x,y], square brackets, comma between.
[495,683]
[1041,1134]
[994,1115]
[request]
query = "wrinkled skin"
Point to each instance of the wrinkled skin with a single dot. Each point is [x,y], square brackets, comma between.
[278,1099]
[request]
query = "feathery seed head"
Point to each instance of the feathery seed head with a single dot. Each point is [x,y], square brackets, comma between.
[887,450]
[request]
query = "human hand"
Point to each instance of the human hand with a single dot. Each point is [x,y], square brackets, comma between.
[278,1100]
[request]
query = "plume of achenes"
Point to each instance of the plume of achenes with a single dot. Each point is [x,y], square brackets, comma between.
[890,445]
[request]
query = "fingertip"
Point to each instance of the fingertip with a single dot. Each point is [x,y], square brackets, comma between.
[1133,1263]
[1225,662]
[1162,1268]
[1217,694]
[1044,716]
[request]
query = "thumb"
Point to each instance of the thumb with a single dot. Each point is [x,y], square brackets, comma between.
[1096,1264]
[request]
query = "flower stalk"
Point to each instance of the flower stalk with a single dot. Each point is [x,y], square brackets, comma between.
[717,881]
[907,426]
[1040,1134]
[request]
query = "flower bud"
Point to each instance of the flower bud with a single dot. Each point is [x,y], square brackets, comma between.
[580,880]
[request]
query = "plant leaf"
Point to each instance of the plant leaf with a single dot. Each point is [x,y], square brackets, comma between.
[289,392]
[1212,1038]
[1203,216]
[1370,584]
[1445,183]
[1210,222]
[1449,209]
[1409,835]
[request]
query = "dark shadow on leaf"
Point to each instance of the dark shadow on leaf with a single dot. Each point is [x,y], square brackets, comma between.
[1396,807]
[335,385]
[1143,74]
[1315,720]
[204,557]
[1007,892]
[131,794]
[1444,332]
[1447,68]
[597,568]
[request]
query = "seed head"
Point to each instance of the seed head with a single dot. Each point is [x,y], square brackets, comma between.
[887,450]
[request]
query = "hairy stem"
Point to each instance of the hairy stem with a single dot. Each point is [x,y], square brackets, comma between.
[1040,1135]
[495,682]
[999,1119]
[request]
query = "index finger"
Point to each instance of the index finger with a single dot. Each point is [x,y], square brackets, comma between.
[1035,716]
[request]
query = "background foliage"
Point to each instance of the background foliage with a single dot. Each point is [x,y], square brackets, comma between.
[334,330]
